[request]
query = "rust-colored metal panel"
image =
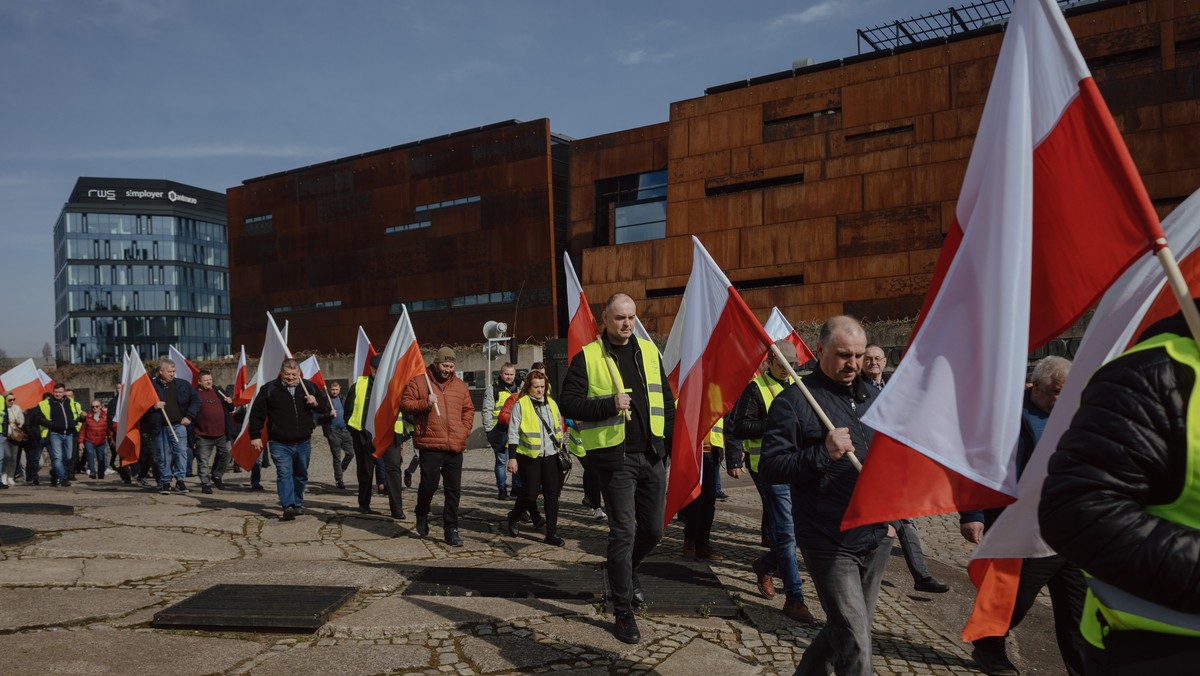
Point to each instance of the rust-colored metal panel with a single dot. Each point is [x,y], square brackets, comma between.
[906,95]
[729,129]
[809,200]
[787,243]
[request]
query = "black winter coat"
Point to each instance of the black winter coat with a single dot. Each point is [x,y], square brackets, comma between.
[1126,449]
[289,419]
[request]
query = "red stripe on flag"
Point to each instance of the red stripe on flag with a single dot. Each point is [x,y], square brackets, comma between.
[408,366]
[28,394]
[997,581]
[582,329]
[141,398]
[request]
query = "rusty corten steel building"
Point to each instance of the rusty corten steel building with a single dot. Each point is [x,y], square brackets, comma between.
[460,228]
[821,190]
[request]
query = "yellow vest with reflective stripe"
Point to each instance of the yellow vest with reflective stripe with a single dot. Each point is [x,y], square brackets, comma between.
[716,436]
[769,388]
[360,404]
[529,434]
[44,406]
[611,432]
[400,427]
[1108,608]
[501,397]
[575,441]
[76,410]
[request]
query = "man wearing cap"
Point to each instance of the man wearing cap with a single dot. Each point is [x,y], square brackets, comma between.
[442,412]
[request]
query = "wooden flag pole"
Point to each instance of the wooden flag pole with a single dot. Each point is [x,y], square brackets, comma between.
[612,373]
[170,428]
[812,402]
[1179,287]
[430,386]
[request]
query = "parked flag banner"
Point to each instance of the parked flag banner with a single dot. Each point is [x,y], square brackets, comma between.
[399,363]
[184,369]
[24,382]
[363,351]
[779,328]
[581,327]
[137,398]
[720,347]
[1051,212]
[274,351]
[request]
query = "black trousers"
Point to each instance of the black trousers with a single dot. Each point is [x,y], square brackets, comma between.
[698,515]
[364,466]
[1067,592]
[635,496]
[541,475]
[447,466]
[393,473]
[147,463]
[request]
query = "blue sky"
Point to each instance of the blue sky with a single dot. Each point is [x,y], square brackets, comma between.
[211,93]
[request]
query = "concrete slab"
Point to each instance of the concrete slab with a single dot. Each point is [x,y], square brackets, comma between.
[306,528]
[394,549]
[25,608]
[702,657]
[172,516]
[506,653]
[595,632]
[309,551]
[91,652]
[98,572]
[143,543]
[697,623]
[371,577]
[343,659]
[369,528]
[48,523]
[397,615]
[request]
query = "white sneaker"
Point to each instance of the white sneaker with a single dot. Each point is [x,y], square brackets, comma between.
[599,513]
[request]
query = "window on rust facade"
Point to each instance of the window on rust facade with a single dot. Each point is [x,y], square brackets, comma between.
[631,208]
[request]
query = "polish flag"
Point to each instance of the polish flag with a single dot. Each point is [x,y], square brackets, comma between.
[1051,212]
[25,383]
[182,366]
[721,345]
[46,381]
[779,328]
[274,351]
[137,398]
[311,370]
[400,362]
[1135,301]
[640,331]
[581,329]
[363,351]
[243,392]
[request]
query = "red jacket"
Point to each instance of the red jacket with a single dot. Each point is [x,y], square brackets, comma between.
[445,432]
[95,431]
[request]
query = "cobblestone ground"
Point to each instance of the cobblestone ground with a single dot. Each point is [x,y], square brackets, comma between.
[94,580]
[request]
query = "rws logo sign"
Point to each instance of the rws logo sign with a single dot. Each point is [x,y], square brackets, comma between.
[110,195]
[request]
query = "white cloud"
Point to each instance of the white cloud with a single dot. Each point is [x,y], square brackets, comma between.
[630,57]
[187,152]
[815,13]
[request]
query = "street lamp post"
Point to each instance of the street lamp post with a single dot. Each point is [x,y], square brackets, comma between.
[493,332]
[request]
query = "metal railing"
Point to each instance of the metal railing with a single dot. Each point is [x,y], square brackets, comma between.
[943,24]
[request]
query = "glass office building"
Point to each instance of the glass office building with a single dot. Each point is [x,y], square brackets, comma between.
[142,263]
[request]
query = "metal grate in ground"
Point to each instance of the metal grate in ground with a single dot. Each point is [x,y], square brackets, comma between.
[37,508]
[14,535]
[232,607]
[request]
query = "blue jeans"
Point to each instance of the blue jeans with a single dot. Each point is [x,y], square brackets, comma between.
[95,458]
[501,453]
[848,587]
[173,453]
[781,560]
[291,470]
[60,454]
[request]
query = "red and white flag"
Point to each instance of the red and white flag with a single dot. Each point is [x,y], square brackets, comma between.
[581,327]
[1051,212]
[137,398]
[363,351]
[399,363]
[274,351]
[640,331]
[243,391]
[779,328]
[183,367]
[1139,298]
[46,381]
[23,381]
[311,370]
[720,346]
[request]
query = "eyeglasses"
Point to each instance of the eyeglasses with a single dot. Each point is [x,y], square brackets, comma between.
[96,406]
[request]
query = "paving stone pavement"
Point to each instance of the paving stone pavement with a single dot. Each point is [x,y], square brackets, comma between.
[94,579]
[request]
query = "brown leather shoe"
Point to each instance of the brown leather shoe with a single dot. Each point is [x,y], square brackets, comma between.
[799,612]
[689,549]
[766,583]
[706,553]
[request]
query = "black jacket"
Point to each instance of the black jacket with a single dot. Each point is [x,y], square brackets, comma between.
[748,419]
[793,451]
[575,404]
[1126,449]
[288,417]
[185,395]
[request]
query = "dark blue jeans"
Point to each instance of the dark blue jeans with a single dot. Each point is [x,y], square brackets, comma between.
[781,559]
[635,496]
[291,470]
[848,587]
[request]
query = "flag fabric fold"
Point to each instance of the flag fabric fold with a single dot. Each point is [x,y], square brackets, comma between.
[46,380]
[243,391]
[779,328]
[311,370]
[137,398]
[1136,300]
[1050,214]
[581,327]
[363,351]
[184,368]
[720,345]
[399,363]
[273,353]
[24,381]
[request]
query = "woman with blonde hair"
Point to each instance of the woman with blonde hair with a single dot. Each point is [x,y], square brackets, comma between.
[535,438]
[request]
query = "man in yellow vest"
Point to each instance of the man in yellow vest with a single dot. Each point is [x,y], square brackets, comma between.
[364,453]
[617,393]
[749,420]
[1121,500]
[57,419]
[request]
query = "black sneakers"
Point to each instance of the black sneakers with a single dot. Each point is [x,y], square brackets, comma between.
[513,529]
[181,487]
[626,629]
[206,489]
[932,586]
[452,538]
[408,479]
[289,514]
[423,525]
[554,540]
